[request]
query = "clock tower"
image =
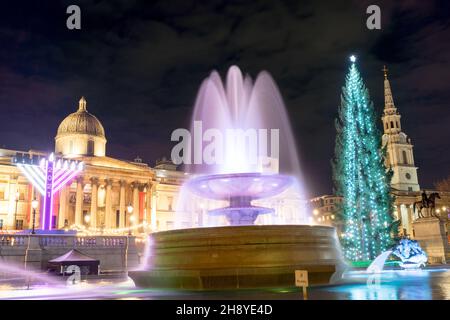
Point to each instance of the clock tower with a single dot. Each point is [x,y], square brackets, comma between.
[399,157]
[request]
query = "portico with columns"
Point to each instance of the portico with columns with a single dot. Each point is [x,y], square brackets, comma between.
[104,199]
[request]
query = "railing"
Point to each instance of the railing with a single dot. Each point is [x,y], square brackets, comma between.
[13,240]
[86,242]
[53,241]
[64,241]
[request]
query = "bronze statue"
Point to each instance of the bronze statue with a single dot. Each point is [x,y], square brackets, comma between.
[428,202]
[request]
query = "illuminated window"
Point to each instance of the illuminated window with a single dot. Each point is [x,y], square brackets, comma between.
[19,224]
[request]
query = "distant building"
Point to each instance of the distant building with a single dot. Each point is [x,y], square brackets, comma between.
[325,210]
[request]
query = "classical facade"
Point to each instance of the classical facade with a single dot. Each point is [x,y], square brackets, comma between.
[109,194]
[325,210]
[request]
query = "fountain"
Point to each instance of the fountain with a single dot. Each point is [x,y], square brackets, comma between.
[242,253]
[409,252]
[240,189]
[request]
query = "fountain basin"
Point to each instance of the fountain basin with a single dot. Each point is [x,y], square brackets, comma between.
[239,189]
[253,185]
[239,257]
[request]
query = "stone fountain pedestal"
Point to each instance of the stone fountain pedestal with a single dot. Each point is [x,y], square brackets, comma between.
[239,257]
[430,232]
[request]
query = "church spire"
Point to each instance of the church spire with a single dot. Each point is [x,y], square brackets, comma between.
[389,106]
[399,150]
[82,104]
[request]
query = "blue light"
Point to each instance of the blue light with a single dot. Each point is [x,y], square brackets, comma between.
[410,253]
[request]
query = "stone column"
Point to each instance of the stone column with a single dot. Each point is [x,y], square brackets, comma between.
[398,216]
[108,213]
[13,185]
[122,204]
[148,202]
[414,215]
[135,201]
[79,202]
[30,198]
[94,195]
[62,215]
[153,212]
[406,220]
[396,211]
[411,219]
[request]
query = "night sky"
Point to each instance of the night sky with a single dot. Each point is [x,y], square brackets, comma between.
[140,63]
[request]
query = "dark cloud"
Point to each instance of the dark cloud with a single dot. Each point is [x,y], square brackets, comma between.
[140,63]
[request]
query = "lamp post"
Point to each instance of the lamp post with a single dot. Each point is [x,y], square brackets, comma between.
[34,205]
[130,211]
[15,212]
[87,219]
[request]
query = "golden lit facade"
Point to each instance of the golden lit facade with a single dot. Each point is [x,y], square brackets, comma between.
[110,195]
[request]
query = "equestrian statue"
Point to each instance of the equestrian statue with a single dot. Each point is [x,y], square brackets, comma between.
[428,202]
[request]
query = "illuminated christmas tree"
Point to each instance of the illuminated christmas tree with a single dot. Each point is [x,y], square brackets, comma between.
[360,175]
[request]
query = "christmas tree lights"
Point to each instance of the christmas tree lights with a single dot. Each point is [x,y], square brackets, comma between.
[360,175]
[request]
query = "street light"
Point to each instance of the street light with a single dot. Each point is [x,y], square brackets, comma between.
[34,205]
[87,219]
[130,211]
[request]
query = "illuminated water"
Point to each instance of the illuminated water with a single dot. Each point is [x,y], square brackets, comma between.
[377,265]
[240,104]
[430,284]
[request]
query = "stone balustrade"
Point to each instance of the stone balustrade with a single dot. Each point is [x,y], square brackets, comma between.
[13,240]
[116,253]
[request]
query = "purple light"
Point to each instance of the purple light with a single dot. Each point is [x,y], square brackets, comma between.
[239,189]
[46,217]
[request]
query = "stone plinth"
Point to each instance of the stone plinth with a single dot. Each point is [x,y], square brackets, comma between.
[430,232]
[238,257]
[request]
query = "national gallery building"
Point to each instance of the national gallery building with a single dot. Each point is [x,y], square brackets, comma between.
[109,194]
